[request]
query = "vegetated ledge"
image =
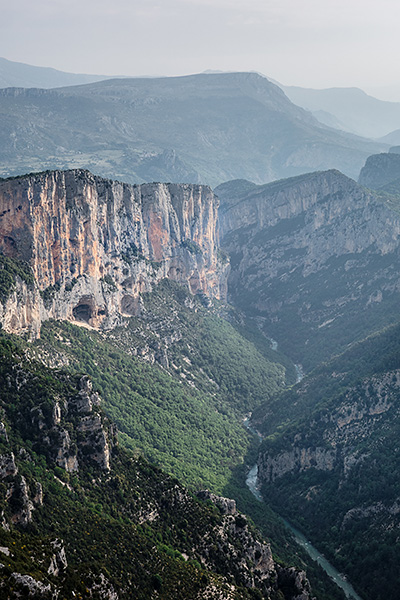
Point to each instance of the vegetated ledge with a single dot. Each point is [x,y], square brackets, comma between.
[81,516]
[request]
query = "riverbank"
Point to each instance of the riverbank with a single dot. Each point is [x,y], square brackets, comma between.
[338,578]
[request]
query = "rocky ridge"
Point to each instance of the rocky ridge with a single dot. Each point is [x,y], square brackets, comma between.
[94,245]
[314,256]
[380,170]
[330,457]
[69,511]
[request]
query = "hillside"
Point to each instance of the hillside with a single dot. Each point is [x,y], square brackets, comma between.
[381,172]
[205,128]
[330,461]
[349,108]
[82,518]
[313,261]
[21,75]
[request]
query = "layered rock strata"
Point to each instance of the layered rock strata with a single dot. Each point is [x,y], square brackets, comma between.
[94,245]
[315,258]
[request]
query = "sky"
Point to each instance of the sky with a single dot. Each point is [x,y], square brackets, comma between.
[309,43]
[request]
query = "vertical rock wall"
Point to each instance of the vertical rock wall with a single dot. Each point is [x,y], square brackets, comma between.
[95,244]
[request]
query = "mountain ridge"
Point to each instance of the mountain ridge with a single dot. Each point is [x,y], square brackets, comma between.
[198,128]
[353,109]
[299,252]
[17,74]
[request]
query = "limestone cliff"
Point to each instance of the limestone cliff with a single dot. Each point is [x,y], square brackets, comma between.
[380,170]
[315,257]
[95,244]
[333,437]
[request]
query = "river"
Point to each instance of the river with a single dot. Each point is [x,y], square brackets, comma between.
[299,368]
[338,578]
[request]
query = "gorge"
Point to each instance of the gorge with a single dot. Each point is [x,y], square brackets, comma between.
[129,283]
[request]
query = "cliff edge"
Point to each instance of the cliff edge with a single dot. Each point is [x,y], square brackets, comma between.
[94,244]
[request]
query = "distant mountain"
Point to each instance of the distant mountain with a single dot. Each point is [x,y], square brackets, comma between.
[200,128]
[350,108]
[16,74]
[392,138]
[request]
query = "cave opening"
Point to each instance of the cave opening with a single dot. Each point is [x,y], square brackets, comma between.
[82,312]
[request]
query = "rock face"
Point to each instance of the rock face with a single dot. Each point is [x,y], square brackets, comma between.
[330,459]
[297,459]
[380,170]
[94,244]
[253,565]
[23,310]
[334,438]
[315,254]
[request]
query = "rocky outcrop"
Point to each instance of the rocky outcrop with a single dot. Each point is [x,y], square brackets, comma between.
[94,245]
[23,310]
[7,465]
[315,254]
[71,431]
[58,561]
[25,586]
[91,440]
[227,506]
[380,170]
[250,557]
[297,459]
[19,498]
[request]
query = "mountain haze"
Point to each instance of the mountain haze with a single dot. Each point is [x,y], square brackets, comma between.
[16,74]
[350,109]
[199,128]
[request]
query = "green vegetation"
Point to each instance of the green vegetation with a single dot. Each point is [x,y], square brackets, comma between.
[109,281]
[9,269]
[133,529]
[48,294]
[349,407]
[192,247]
[171,424]
[185,416]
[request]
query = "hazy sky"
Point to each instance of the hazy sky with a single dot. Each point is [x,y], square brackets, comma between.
[312,43]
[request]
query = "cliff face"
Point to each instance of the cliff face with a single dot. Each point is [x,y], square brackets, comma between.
[94,244]
[317,255]
[330,458]
[334,437]
[380,170]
